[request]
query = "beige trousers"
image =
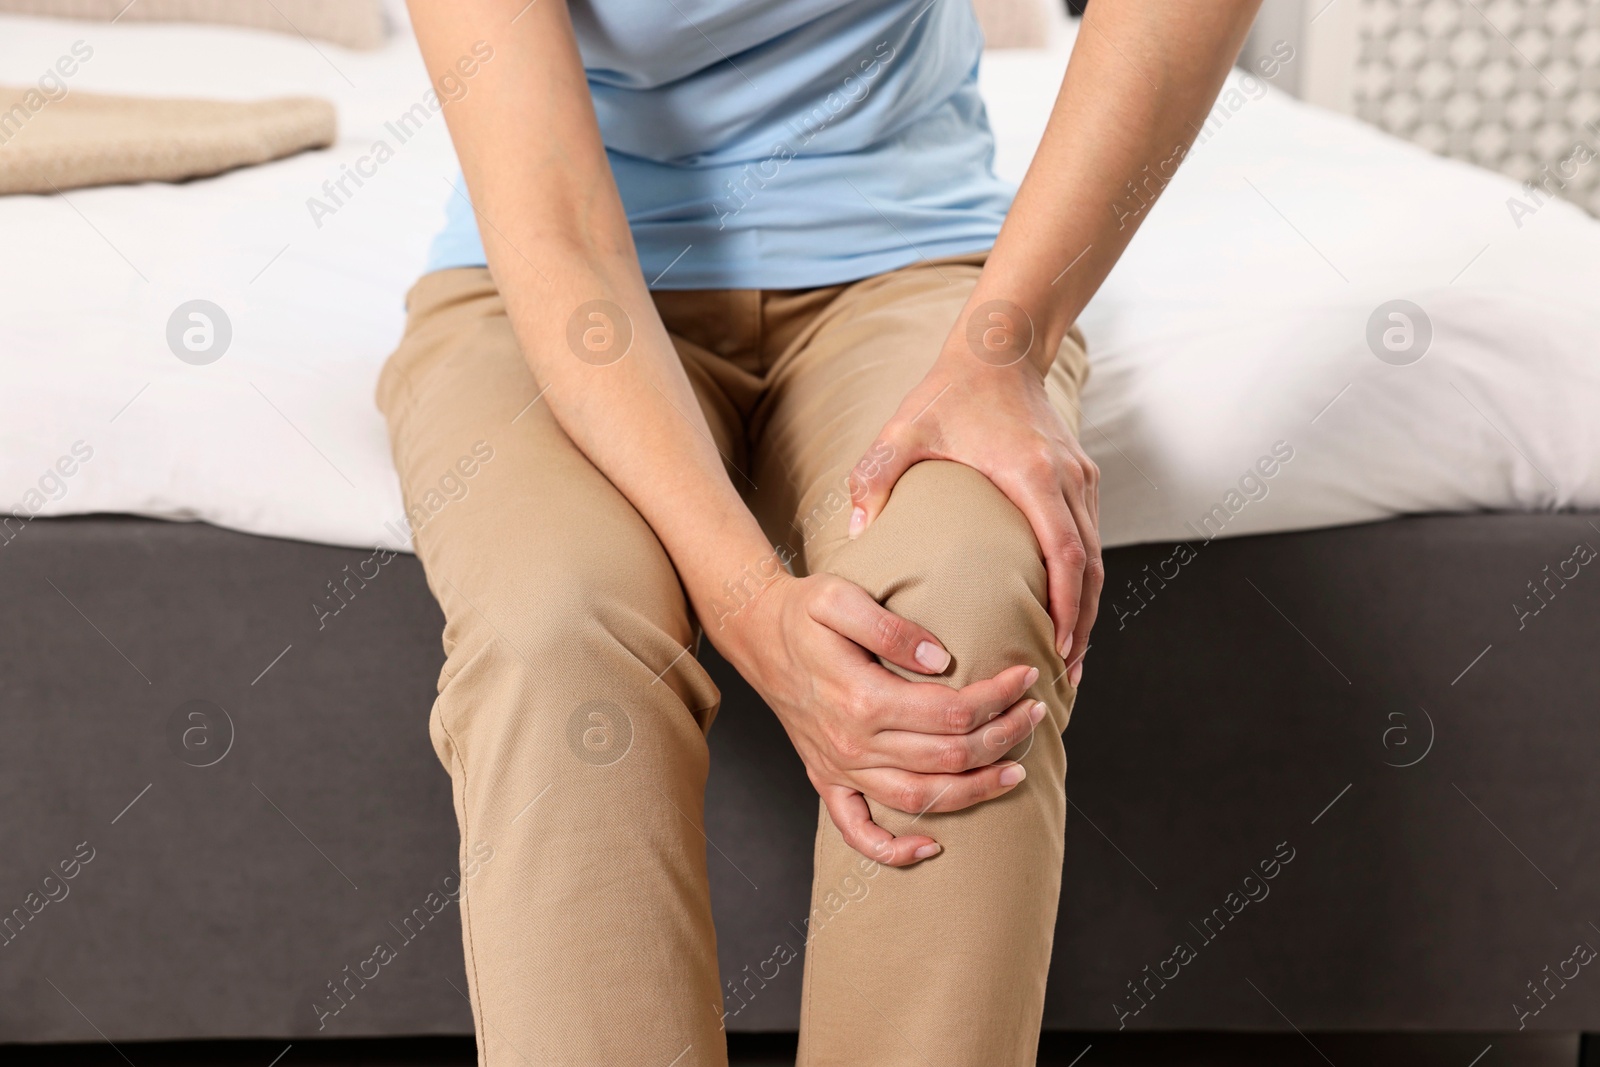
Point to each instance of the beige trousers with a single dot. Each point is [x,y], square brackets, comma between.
[573,721]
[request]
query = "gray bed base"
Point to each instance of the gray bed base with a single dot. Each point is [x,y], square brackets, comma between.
[1399,722]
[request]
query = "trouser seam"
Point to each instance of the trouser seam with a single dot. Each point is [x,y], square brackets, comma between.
[811,938]
[466,921]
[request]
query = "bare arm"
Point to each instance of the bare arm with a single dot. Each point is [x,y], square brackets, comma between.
[527,124]
[1141,79]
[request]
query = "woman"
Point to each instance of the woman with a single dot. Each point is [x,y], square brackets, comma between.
[739,335]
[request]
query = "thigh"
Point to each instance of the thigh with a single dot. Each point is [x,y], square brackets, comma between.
[523,539]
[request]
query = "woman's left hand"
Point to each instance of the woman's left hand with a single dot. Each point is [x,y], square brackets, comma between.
[997,419]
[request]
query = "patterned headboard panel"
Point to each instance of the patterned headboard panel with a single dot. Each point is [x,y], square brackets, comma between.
[1514,86]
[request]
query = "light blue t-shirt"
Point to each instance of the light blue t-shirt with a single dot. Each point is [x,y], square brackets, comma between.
[785,144]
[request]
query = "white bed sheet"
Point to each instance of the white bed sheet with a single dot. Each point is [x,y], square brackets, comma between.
[1235,323]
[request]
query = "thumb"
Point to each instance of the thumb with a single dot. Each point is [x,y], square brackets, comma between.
[874,478]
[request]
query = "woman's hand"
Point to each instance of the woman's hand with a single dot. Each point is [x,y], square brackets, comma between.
[979,407]
[810,647]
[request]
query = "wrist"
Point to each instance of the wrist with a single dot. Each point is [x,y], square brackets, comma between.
[1024,362]
[730,610]
[1000,334]
[1010,323]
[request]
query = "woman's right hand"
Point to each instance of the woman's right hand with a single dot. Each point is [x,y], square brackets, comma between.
[810,647]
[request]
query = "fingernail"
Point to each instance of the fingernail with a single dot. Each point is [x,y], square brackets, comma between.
[1013,774]
[1036,712]
[927,850]
[858,522]
[1066,646]
[1075,674]
[932,656]
[1033,676]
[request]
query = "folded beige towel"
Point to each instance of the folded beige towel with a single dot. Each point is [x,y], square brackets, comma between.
[89,139]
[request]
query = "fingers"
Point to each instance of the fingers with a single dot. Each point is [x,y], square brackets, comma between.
[872,479]
[918,794]
[845,608]
[1094,574]
[1056,529]
[952,754]
[936,708]
[849,812]
[1091,490]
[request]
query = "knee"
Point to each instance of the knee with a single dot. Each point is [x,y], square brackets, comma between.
[952,553]
[967,537]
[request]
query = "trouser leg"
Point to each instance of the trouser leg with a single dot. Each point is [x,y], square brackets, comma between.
[570,715]
[943,962]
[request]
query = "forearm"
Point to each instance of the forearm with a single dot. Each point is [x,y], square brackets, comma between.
[1142,77]
[558,244]
[639,421]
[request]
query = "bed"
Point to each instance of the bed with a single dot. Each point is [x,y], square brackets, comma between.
[1379,656]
